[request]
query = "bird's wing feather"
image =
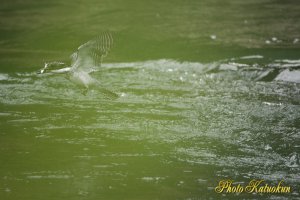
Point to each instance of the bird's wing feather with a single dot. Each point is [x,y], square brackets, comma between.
[91,53]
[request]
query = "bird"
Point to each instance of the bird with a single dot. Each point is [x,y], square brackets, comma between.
[86,59]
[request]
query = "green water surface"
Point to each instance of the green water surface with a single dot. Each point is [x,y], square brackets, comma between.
[207,90]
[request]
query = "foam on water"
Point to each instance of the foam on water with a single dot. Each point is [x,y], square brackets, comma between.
[290,76]
[4,77]
[239,118]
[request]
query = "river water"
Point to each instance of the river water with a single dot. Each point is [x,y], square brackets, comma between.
[207,91]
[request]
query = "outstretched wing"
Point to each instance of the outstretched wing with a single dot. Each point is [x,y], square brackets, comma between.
[92,53]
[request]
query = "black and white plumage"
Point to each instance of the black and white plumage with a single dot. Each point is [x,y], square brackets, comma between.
[85,60]
[91,53]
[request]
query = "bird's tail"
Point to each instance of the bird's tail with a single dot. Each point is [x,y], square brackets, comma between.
[107,93]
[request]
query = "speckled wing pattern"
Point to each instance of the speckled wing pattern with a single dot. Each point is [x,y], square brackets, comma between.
[92,52]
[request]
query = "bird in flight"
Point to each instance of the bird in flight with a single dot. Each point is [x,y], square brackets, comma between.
[85,60]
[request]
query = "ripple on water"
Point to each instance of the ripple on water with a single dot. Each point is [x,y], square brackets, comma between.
[239,116]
